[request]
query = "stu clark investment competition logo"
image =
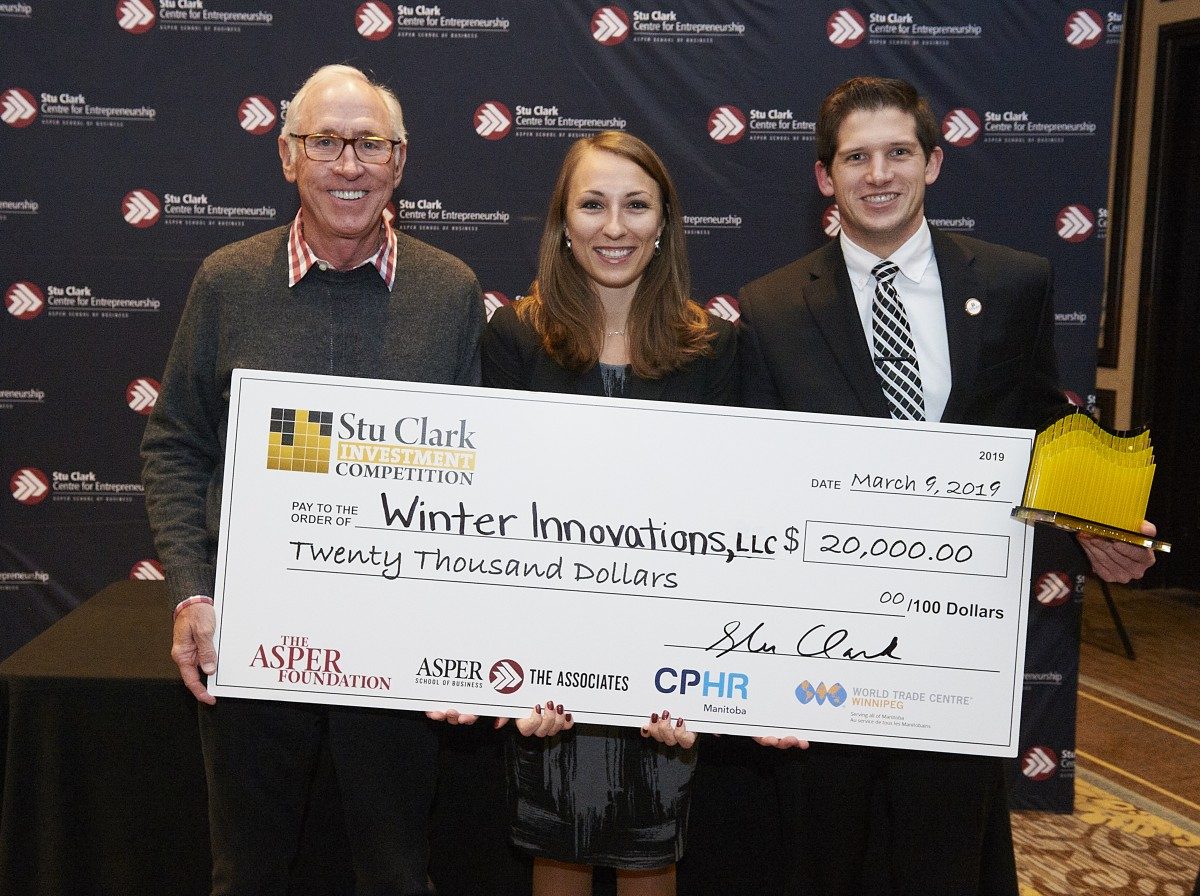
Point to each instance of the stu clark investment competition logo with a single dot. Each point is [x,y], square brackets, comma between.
[408,448]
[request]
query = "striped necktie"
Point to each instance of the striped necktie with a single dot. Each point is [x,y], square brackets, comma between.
[892,346]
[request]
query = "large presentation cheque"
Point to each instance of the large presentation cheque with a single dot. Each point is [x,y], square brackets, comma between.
[413,546]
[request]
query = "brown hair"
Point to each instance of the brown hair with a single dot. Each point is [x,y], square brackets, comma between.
[666,329]
[871,93]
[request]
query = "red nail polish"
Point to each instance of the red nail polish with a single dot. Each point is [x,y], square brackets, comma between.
[538,708]
[679,723]
[568,717]
[653,717]
[560,709]
[666,715]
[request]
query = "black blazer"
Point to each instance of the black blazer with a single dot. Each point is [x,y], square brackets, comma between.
[513,358]
[803,347]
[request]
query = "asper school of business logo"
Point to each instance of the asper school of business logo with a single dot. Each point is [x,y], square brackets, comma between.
[1053,589]
[432,214]
[846,28]
[1041,763]
[493,301]
[504,676]
[69,108]
[31,486]
[1076,223]
[725,307]
[411,449]
[25,301]
[493,120]
[142,208]
[611,25]
[257,115]
[209,16]
[375,20]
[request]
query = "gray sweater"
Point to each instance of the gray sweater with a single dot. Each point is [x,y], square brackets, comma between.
[241,313]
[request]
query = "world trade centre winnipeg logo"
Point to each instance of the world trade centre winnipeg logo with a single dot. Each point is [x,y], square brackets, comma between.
[412,449]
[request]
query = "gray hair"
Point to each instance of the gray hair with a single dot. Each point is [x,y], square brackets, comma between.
[298,104]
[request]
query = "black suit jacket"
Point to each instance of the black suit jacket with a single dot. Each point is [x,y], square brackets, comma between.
[513,358]
[804,348]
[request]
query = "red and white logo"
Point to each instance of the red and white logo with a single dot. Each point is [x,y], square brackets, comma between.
[724,306]
[257,115]
[846,28]
[141,395]
[1083,28]
[493,121]
[1039,763]
[1075,223]
[831,221]
[727,124]
[1052,589]
[961,127]
[136,16]
[141,208]
[147,571]
[24,300]
[506,676]
[492,300]
[374,20]
[18,108]
[610,25]
[29,485]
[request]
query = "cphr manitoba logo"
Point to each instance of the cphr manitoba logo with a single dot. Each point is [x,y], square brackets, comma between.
[726,124]
[136,16]
[846,28]
[373,21]
[610,25]
[142,394]
[18,107]
[24,300]
[961,127]
[257,115]
[29,486]
[141,208]
[493,120]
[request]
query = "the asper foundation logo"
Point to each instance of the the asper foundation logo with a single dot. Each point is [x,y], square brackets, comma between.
[726,124]
[610,25]
[299,440]
[24,300]
[18,108]
[136,16]
[257,115]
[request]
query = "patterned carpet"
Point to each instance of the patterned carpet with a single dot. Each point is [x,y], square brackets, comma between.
[1115,843]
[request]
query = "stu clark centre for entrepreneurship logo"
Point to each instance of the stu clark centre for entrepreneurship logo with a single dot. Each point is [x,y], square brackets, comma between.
[407,448]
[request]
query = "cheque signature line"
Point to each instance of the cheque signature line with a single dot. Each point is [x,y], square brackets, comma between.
[840,659]
[723,555]
[695,600]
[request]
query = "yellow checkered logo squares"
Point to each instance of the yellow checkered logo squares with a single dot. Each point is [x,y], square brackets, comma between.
[299,440]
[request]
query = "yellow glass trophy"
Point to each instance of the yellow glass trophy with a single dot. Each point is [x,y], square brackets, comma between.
[1085,479]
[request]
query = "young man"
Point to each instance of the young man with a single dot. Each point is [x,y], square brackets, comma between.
[897,319]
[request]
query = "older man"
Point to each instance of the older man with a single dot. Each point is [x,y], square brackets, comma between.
[337,291]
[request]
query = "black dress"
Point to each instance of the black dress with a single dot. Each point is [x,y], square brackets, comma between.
[600,794]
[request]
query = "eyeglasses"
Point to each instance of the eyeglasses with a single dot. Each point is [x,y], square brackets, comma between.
[372,150]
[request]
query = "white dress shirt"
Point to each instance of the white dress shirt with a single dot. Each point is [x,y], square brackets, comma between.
[920,289]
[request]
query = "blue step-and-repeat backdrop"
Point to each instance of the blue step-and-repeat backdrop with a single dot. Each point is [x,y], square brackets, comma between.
[139,135]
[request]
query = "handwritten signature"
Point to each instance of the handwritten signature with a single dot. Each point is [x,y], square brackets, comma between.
[818,641]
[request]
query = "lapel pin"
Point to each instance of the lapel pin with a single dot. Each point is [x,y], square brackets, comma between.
[973,306]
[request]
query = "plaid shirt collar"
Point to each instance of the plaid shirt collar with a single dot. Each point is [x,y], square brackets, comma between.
[301,257]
